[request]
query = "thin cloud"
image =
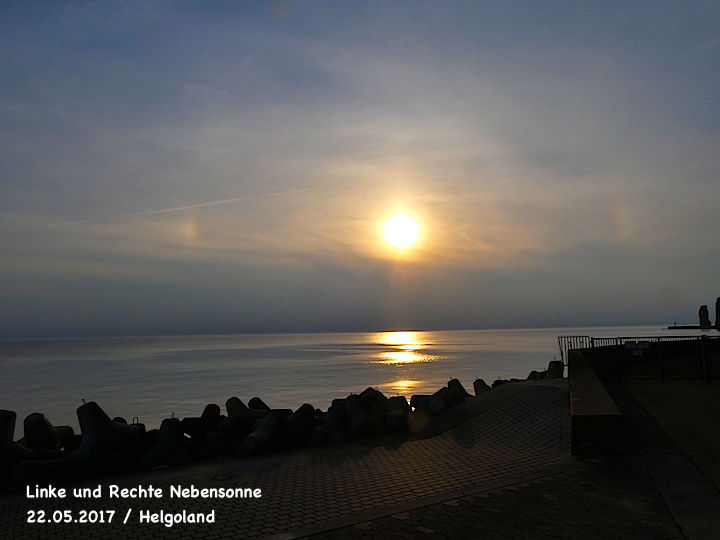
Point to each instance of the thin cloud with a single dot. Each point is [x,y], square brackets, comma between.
[702,49]
[192,206]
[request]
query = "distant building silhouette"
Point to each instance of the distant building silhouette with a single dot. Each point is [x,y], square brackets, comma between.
[717,313]
[704,317]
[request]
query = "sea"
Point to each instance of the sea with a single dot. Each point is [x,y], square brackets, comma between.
[147,379]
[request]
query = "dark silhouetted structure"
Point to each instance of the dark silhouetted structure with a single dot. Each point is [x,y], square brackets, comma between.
[704,317]
[717,313]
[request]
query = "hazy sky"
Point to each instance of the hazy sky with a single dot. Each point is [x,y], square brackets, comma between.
[226,167]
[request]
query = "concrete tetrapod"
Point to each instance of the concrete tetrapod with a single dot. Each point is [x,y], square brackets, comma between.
[380,409]
[213,446]
[361,423]
[397,411]
[240,424]
[437,403]
[480,387]
[536,375]
[234,430]
[208,421]
[102,440]
[168,447]
[7,425]
[257,403]
[374,402]
[325,423]
[11,452]
[555,370]
[263,438]
[335,423]
[115,437]
[368,398]
[234,425]
[40,435]
[444,399]
[234,405]
[39,439]
[456,386]
[297,427]
[114,449]
[102,436]
[421,402]
[91,417]
[136,422]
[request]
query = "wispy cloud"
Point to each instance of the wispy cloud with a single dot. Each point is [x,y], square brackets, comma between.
[195,206]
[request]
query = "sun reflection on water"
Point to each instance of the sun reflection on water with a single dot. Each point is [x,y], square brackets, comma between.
[403,347]
[402,386]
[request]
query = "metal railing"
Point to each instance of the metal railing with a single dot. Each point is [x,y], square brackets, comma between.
[587,342]
[645,356]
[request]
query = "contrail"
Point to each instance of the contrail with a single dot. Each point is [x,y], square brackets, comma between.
[198,205]
[704,47]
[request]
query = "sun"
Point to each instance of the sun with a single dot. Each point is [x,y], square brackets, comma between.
[401,231]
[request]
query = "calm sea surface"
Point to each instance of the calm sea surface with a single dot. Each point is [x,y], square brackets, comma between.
[152,377]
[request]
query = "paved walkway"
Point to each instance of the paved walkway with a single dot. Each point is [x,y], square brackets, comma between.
[614,499]
[680,441]
[689,412]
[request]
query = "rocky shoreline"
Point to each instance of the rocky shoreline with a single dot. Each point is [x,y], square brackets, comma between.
[106,446]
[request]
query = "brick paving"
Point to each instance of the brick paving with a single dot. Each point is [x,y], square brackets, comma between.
[683,408]
[506,473]
[614,500]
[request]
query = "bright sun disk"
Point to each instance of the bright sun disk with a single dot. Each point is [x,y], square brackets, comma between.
[401,231]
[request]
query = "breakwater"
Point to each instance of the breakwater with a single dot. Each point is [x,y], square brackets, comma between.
[49,453]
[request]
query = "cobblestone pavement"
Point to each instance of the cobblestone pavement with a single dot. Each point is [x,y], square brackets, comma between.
[524,437]
[613,499]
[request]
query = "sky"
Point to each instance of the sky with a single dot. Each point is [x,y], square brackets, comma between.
[204,167]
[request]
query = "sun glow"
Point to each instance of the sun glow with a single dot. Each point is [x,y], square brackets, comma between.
[401,231]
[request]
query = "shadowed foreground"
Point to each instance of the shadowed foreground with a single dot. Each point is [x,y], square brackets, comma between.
[505,472]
